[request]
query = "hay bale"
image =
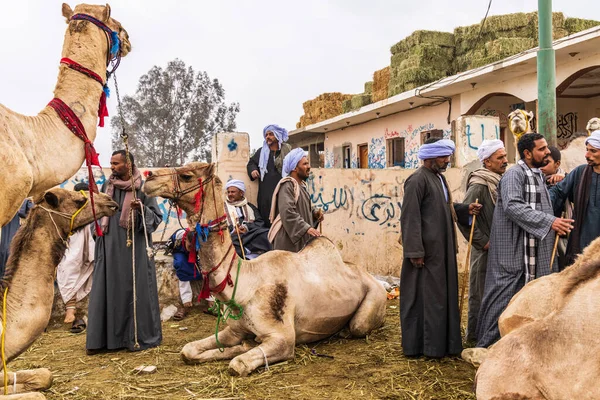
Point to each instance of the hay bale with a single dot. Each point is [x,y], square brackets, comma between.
[424,55]
[347,106]
[574,25]
[445,39]
[369,87]
[322,107]
[506,47]
[381,81]
[360,100]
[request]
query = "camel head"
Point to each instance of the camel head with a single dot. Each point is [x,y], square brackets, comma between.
[101,13]
[593,125]
[195,188]
[519,122]
[62,204]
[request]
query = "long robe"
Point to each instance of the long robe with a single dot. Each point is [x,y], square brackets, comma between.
[567,190]
[296,218]
[505,276]
[256,239]
[267,185]
[74,273]
[479,256]
[429,315]
[8,232]
[111,312]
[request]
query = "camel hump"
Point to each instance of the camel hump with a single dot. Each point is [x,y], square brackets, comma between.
[584,273]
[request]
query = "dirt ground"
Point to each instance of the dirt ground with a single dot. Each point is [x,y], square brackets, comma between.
[372,368]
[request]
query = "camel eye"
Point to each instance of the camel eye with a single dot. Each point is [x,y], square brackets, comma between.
[80,203]
[186,178]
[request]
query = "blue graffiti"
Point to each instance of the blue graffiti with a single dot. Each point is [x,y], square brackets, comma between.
[232,146]
[377,153]
[469,134]
[99,181]
[381,209]
[336,201]
[164,209]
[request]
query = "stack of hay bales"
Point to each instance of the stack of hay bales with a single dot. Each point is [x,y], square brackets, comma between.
[421,58]
[324,106]
[381,83]
[502,36]
[574,25]
[359,100]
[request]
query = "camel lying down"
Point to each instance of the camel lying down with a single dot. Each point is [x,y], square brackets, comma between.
[287,298]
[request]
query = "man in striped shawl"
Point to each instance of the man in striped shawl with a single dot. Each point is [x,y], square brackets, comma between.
[522,237]
[246,217]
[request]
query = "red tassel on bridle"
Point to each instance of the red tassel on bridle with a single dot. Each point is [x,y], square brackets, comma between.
[198,197]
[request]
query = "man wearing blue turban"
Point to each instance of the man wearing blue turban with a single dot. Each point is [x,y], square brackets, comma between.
[266,164]
[429,315]
[291,213]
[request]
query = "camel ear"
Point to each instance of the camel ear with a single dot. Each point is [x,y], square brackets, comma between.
[67,12]
[51,199]
[106,14]
[529,114]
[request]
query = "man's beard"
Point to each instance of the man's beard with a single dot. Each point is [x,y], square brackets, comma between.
[591,162]
[540,164]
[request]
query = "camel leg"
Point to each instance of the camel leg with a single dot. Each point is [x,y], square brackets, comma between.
[28,380]
[227,354]
[276,347]
[192,351]
[371,312]
[24,396]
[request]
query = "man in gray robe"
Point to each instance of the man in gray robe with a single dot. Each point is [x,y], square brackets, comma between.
[112,319]
[429,315]
[8,232]
[482,186]
[582,188]
[291,213]
[522,235]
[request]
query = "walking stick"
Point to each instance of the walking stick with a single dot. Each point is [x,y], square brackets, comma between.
[555,247]
[467,266]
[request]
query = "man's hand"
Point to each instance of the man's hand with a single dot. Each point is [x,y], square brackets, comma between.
[418,262]
[242,229]
[486,247]
[313,232]
[562,226]
[318,215]
[255,174]
[554,179]
[475,208]
[136,204]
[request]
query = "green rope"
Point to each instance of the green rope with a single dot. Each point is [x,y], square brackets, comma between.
[233,310]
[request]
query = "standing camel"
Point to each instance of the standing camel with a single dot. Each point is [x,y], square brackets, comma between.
[287,298]
[40,152]
[35,251]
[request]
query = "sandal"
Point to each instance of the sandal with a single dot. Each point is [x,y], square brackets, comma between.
[180,314]
[78,326]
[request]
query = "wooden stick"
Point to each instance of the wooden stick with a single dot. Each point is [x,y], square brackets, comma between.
[555,247]
[467,264]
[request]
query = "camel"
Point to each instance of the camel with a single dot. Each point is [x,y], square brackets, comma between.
[550,350]
[287,298]
[35,251]
[592,125]
[40,152]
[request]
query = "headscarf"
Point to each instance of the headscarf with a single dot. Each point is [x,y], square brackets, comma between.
[282,136]
[291,161]
[594,139]
[115,182]
[489,147]
[441,148]
[235,183]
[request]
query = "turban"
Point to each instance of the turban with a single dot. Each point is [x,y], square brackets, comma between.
[282,136]
[291,160]
[441,148]
[489,147]
[594,139]
[235,183]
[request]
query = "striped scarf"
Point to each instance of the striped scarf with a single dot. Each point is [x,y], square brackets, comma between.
[232,214]
[533,198]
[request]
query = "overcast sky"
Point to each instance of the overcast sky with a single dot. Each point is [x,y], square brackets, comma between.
[270,56]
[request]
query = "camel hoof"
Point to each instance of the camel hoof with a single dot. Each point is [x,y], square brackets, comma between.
[475,355]
[238,368]
[187,360]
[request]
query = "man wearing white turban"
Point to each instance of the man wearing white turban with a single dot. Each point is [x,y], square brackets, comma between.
[266,165]
[291,213]
[482,185]
[246,217]
[582,188]
[429,316]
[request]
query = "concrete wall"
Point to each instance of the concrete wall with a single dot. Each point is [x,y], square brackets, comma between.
[469,132]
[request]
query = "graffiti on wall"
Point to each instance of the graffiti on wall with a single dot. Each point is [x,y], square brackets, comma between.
[566,126]
[476,135]
[488,112]
[377,153]
[412,137]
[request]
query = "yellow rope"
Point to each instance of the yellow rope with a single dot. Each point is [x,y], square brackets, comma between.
[3,335]
[77,213]
[518,135]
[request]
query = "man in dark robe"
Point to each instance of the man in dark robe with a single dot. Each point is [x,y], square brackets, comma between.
[247,219]
[482,186]
[582,188]
[9,230]
[113,312]
[429,315]
[522,235]
[266,164]
[291,213]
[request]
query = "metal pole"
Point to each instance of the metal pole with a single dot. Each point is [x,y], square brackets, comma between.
[546,73]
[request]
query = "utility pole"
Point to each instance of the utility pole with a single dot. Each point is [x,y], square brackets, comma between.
[546,74]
